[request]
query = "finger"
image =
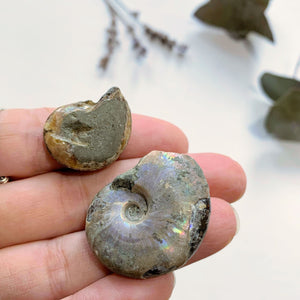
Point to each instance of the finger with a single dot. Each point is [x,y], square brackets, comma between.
[53,204]
[226,178]
[122,288]
[48,269]
[223,226]
[64,265]
[23,152]
[50,204]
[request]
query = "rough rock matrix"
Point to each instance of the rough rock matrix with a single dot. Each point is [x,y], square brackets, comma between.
[87,136]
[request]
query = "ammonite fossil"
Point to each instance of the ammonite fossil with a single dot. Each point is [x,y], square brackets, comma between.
[87,135]
[151,219]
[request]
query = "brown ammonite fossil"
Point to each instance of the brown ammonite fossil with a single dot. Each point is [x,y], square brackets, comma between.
[151,219]
[87,136]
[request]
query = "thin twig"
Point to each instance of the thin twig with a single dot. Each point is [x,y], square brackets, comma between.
[130,19]
[152,34]
[111,41]
[128,22]
[164,40]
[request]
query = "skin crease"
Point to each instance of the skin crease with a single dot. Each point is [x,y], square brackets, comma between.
[43,249]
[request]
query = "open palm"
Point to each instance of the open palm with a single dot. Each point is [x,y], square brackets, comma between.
[44,253]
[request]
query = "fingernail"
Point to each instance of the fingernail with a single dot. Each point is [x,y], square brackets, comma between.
[237,219]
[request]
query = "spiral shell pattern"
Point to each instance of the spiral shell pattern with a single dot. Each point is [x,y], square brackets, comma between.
[151,219]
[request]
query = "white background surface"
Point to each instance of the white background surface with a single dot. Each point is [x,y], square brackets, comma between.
[49,56]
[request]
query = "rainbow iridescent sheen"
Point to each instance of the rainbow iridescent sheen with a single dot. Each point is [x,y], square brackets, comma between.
[151,219]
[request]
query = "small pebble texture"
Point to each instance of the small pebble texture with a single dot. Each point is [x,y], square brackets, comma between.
[150,220]
[87,136]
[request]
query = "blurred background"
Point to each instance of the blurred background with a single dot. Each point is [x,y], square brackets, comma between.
[50,53]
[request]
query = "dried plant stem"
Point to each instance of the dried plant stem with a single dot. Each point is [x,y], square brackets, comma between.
[152,34]
[118,11]
[129,24]
[111,41]
[164,40]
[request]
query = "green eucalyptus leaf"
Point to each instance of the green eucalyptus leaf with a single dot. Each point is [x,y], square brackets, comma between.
[238,17]
[283,119]
[275,86]
[263,3]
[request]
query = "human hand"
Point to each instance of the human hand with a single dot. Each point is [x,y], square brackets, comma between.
[44,253]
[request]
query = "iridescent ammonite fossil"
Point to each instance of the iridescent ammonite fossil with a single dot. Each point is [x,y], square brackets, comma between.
[151,219]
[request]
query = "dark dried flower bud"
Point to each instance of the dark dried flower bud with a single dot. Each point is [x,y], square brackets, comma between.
[142,52]
[181,49]
[104,62]
[117,13]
